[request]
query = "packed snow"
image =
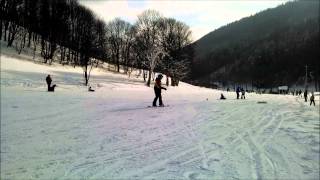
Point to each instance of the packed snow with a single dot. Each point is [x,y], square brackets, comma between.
[113,134]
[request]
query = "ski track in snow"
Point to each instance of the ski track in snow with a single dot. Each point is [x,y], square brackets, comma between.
[111,134]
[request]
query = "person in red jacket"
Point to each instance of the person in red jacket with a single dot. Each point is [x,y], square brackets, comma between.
[157,91]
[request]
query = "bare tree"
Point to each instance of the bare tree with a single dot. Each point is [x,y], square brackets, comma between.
[175,37]
[147,33]
[118,33]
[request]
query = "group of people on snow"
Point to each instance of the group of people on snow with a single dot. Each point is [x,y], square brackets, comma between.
[51,88]
[242,91]
[158,87]
[305,95]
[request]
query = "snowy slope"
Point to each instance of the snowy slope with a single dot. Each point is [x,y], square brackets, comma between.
[111,134]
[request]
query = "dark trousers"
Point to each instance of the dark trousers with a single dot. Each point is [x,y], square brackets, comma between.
[157,92]
[305,98]
[49,85]
[312,101]
[237,95]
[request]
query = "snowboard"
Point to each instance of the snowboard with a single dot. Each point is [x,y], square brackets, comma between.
[158,106]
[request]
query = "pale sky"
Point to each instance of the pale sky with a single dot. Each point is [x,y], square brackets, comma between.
[202,16]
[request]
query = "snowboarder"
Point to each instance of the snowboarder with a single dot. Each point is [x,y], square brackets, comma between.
[90,89]
[312,99]
[238,92]
[157,91]
[48,80]
[305,94]
[243,94]
[222,96]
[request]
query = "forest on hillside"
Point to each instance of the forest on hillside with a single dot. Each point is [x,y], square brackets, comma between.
[66,32]
[266,50]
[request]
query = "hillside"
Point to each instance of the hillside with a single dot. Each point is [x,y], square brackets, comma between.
[267,49]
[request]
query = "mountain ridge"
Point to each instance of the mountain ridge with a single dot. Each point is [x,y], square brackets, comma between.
[275,35]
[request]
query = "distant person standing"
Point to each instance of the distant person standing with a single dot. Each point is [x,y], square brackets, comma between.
[305,94]
[157,91]
[243,92]
[48,80]
[238,92]
[312,99]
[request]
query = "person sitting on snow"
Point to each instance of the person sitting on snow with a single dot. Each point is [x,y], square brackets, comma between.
[222,96]
[90,89]
[157,91]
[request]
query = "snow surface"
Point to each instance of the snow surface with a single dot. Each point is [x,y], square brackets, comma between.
[112,134]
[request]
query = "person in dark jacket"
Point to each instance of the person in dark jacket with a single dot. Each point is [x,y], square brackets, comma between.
[305,94]
[48,80]
[157,91]
[238,92]
[312,99]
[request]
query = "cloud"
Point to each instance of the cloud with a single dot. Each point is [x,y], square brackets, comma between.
[202,16]
[108,10]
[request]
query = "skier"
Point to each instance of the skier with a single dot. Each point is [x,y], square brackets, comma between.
[157,91]
[238,92]
[305,94]
[222,96]
[312,99]
[48,80]
[243,94]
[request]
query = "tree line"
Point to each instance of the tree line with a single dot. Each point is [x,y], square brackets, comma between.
[66,32]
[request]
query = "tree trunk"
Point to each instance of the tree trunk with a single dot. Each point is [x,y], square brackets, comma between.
[34,45]
[6,25]
[86,75]
[23,41]
[144,76]
[149,78]
[1,21]
[118,62]
[12,33]
[29,38]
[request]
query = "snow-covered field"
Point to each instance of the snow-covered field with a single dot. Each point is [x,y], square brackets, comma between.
[111,134]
